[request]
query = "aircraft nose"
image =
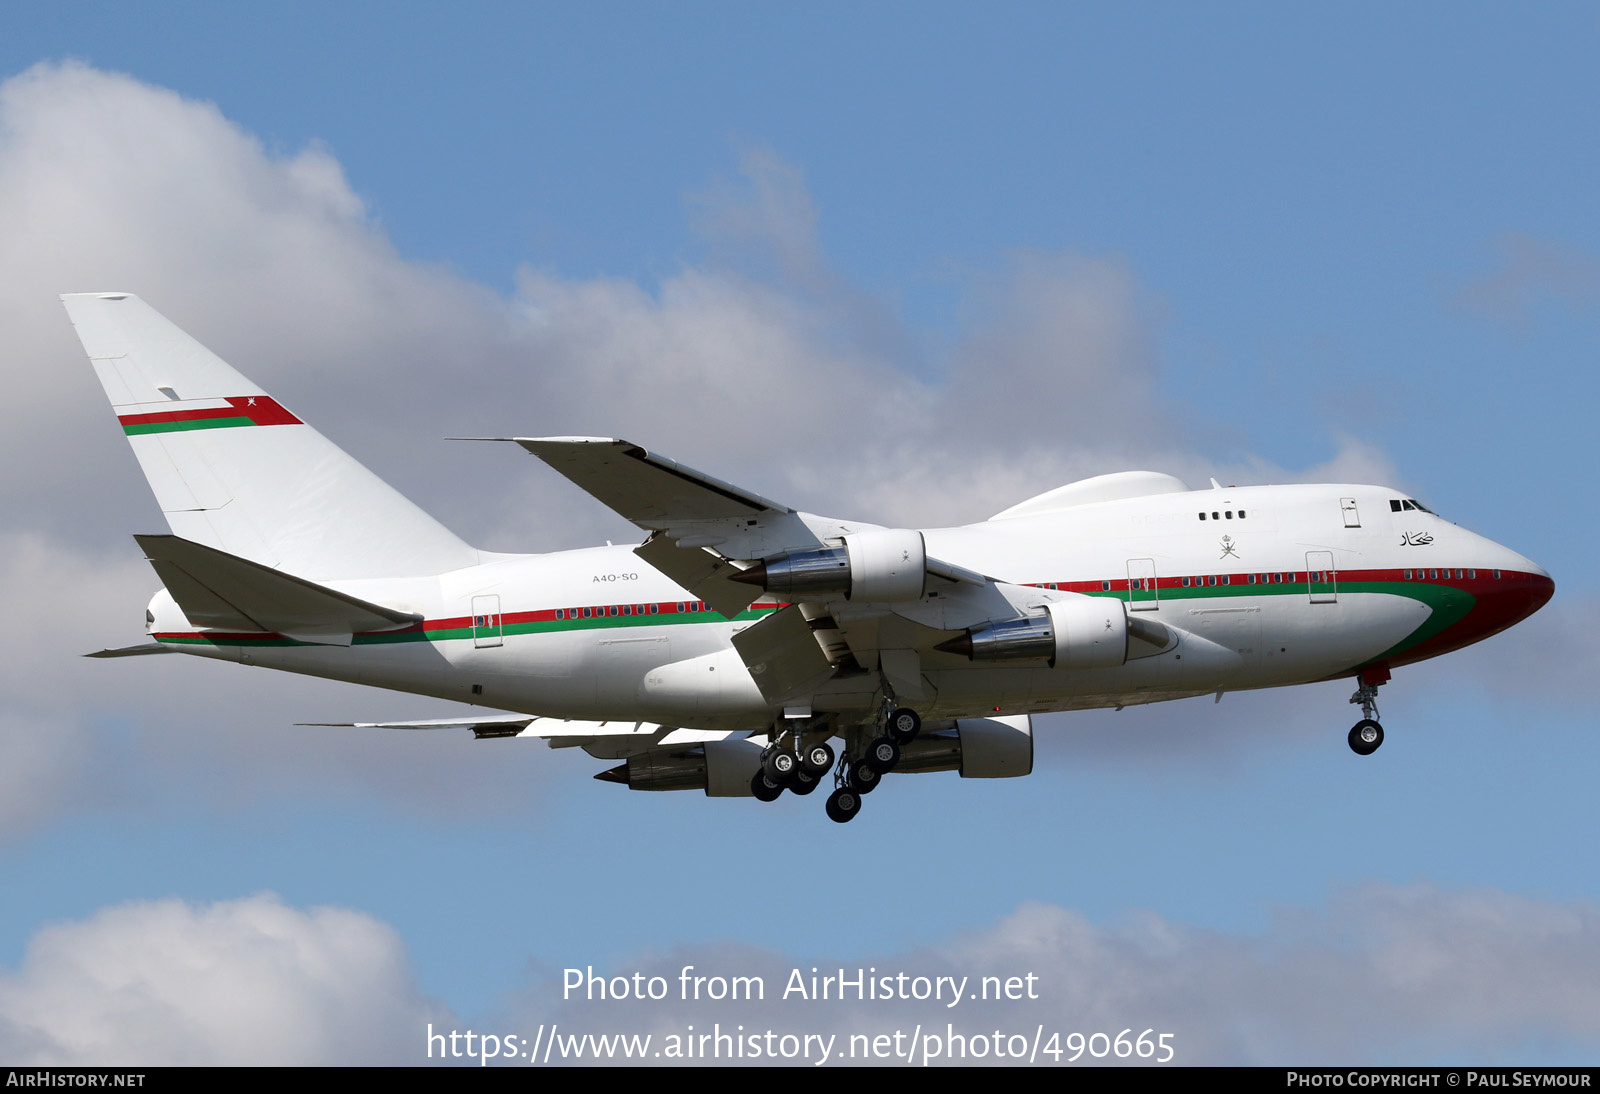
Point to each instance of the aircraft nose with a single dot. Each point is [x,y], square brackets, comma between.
[1511,598]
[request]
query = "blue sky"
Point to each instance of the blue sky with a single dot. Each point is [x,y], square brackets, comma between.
[1256,242]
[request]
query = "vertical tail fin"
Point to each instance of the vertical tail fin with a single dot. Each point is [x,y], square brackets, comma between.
[233,469]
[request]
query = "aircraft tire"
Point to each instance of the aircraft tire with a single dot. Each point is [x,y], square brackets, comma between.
[803,783]
[904,724]
[779,765]
[863,777]
[1365,737]
[763,788]
[843,804]
[883,754]
[818,759]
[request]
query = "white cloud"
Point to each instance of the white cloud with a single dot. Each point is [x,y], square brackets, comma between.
[1384,974]
[249,981]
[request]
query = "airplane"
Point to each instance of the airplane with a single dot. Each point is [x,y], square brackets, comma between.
[728,649]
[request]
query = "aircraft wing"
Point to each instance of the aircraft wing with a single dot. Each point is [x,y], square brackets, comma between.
[699,524]
[652,491]
[560,732]
[705,534]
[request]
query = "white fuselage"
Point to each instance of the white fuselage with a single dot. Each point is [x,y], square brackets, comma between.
[1273,585]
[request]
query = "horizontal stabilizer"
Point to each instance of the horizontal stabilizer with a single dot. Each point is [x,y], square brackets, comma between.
[220,591]
[133,651]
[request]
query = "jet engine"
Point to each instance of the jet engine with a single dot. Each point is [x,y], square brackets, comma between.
[721,768]
[979,748]
[1083,632]
[883,565]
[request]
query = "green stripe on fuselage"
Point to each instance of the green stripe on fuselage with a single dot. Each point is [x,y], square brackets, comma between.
[540,626]
[1447,606]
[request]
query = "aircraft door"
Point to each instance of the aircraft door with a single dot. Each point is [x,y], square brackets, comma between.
[486,627]
[1322,580]
[1143,595]
[1352,518]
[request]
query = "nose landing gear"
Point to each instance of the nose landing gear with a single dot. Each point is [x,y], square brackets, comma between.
[1366,735]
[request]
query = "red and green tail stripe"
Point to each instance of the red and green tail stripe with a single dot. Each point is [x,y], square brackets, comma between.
[240,410]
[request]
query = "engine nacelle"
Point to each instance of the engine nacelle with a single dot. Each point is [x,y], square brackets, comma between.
[886,564]
[723,769]
[979,748]
[662,771]
[730,765]
[1091,632]
[1081,632]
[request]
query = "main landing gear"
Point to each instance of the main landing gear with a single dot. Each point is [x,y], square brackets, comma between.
[1367,735]
[799,759]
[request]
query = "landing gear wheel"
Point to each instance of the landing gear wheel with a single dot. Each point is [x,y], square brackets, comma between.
[817,760]
[862,777]
[883,754]
[779,765]
[843,804]
[903,725]
[803,783]
[764,788]
[1365,737]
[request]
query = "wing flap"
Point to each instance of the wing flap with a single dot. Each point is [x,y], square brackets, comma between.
[704,574]
[783,655]
[560,732]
